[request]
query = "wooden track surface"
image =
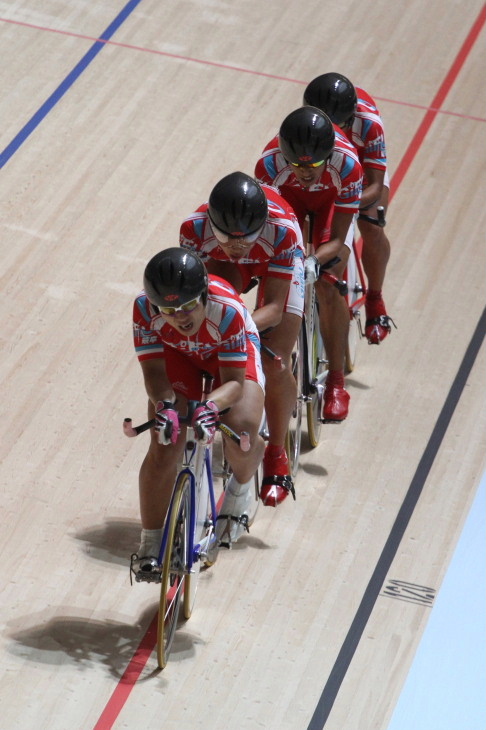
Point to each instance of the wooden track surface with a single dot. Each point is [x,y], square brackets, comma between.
[297,627]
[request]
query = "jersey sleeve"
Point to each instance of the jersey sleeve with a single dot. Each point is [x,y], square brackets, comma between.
[347,175]
[267,167]
[147,341]
[368,132]
[192,233]
[225,325]
[374,149]
[286,235]
[281,265]
[233,353]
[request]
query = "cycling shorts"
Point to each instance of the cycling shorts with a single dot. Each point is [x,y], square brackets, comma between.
[294,303]
[184,373]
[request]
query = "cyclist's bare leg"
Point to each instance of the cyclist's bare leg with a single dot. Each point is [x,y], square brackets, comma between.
[375,256]
[246,415]
[237,506]
[157,475]
[281,388]
[376,246]
[333,318]
[334,324]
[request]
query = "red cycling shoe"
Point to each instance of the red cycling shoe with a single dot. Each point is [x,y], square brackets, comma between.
[336,403]
[377,325]
[277,482]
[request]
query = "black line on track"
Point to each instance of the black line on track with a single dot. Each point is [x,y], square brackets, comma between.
[345,656]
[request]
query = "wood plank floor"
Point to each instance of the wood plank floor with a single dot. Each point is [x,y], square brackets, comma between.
[314,618]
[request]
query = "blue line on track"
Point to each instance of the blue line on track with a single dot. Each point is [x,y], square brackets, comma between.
[65,85]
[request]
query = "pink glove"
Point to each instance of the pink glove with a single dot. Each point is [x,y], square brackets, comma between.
[166,423]
[205,420]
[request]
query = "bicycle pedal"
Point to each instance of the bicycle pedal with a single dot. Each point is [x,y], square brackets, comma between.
[152,577]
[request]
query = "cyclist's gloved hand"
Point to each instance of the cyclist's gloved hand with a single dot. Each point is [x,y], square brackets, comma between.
[205,420]
[311,267]
[166,423]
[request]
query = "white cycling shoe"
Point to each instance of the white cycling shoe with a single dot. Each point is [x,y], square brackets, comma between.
[144,564]
[234,516]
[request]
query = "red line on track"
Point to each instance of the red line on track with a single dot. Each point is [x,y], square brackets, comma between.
[439,98]
[131,674]
[240,69]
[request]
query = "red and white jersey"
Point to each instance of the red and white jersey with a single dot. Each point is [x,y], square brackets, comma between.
[367,133]
[275,248]
[339,185]
[224,333]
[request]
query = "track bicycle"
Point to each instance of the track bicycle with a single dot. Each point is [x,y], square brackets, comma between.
[188,539]
[308,360]
[355,278]
[353,287]
[309,363]
[292,437]
[309,368]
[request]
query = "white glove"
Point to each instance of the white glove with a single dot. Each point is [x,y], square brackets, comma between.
[311,268]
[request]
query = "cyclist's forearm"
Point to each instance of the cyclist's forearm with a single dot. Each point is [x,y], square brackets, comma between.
[371,196]
[330,250]
[227,394]
[270,315]
[157,384]
[160,394]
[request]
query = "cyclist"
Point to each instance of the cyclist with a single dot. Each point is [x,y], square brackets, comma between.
[318,172]
[185,322]
[355,113]
[244,231]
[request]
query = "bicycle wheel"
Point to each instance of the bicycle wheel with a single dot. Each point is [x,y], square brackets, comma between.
[317,365]
[257,483]
[355,301]
[174,568]
[203,529]
[294,431]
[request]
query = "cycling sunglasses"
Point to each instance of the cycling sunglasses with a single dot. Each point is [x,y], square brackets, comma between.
[226,238]
[307,164]
[187,307]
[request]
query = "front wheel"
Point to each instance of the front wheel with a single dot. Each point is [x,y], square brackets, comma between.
[174,569]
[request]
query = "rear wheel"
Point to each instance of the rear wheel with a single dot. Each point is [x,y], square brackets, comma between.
[294,432]
[355,301]
[174,569]
[318,370]
[352,343]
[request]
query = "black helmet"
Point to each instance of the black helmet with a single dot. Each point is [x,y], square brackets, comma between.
[306,136]
[237,205]
[334,94]
[175,276]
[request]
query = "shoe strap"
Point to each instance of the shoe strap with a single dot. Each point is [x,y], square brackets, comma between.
[241,520]
[278,480]
[382,321]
